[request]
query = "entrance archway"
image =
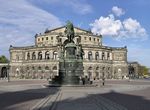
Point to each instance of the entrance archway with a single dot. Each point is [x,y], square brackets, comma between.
[3,72]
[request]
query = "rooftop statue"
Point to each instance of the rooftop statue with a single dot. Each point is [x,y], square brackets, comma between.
[69,31]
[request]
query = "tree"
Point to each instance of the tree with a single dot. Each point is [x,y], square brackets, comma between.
[3,59]
[144,70]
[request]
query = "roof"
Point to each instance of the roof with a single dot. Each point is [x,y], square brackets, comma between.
[133,62]
[49,31]
[64,27]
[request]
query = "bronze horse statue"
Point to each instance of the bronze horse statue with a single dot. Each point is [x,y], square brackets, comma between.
[69,31]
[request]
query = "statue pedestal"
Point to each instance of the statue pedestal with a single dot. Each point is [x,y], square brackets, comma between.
[70,71]
[70,68]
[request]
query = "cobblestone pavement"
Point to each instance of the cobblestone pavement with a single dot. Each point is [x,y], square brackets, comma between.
[115,95]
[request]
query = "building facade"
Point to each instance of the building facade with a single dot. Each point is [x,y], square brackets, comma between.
[136,68]
[42,59]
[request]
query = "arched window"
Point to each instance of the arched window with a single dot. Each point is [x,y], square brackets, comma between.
[46,68]
[54,55]
[47,55]
[33,68]
[97,68]
[90,72]
[28,56]
[3,72]
[103,72]
[108,56]
[26,68]
[40,55]
[17,57]
[109,74]
[33,56]
[55,68]
[90,55]
[97,72]
[103,55]
[103,68]
[96,56]
[90,68]
[39,68]
[59,40]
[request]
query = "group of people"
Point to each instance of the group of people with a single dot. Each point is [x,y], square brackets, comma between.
[85,80]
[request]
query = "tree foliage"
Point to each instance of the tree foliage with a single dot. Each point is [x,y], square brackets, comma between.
[144,70]
[3,59]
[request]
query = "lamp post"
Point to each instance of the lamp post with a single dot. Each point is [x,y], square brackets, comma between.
[103,79]
[130,71]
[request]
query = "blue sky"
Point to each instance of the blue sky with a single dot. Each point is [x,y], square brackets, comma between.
[121,22]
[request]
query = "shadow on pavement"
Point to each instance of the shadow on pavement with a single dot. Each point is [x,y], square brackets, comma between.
[9,99]
[74,100]
[107,101]
[131,102]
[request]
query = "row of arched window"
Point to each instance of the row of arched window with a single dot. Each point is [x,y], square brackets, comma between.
[40,68]
[98,68]
[104,71]
[90,56]
[40,56]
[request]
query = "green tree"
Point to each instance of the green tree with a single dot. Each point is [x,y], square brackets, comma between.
[3,59]
[144,70]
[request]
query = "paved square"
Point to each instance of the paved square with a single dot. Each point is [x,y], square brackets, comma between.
[115,95]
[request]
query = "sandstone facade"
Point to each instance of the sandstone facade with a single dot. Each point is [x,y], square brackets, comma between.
[42,59]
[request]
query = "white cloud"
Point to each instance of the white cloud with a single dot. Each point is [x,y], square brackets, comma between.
[118,11]
[109,26]
[133,28]
[106,26]
[78,6]
[20,21]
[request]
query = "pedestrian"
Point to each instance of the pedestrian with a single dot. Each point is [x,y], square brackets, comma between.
[83,80]
[103,81]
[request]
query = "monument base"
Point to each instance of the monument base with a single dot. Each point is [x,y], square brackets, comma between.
[67,80]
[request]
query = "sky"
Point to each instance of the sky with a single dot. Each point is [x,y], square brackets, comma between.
[121,22]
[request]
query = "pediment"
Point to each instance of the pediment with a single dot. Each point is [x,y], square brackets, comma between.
[62,29]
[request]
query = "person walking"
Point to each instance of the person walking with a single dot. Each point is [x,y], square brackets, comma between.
[103,81]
